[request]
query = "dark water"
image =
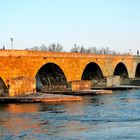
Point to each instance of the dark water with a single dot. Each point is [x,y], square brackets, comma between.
[104,117]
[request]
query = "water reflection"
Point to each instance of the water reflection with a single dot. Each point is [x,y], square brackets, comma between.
[19,108]
[98,117]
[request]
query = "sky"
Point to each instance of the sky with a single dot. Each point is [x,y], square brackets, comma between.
[91,23]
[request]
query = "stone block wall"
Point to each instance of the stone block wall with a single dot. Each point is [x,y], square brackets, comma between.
[80,85]
[21,85]
[113,81]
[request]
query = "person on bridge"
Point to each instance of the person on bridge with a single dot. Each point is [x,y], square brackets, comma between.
[137,52]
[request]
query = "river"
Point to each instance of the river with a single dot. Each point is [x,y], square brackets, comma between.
[102,117]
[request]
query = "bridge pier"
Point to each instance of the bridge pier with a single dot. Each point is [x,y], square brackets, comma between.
[80,85]
[21,85]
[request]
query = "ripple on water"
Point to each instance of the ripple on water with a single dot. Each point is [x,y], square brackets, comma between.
[106,117]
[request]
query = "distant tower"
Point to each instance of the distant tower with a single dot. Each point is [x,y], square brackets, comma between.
[11,43]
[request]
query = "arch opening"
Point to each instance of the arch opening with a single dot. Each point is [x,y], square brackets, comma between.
[50,77]
[137,73]
[121,71]
[3,88]
[94,73]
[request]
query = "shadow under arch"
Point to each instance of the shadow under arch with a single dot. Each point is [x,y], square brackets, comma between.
[3,88]
[137,72]
[92,71]
[50,77]
[121,70]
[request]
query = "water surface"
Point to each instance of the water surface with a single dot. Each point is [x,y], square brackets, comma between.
[102,117]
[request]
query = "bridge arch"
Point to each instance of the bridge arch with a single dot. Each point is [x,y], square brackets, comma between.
[50,77]
[137,72]
[121,70]
[3,88]
[92,71]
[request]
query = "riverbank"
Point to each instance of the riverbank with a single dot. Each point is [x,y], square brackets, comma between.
[114,88]
[63,96]
[53,96]
[81,92]
[40,97]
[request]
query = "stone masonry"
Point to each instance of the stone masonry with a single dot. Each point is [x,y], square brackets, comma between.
[19,68]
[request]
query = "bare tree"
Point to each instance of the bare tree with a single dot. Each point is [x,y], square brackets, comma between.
[78,49]
[93,50]
[43,47]
[52,47]
[75,49]
[82,49]
[55,47]
[35,48]
[107,50]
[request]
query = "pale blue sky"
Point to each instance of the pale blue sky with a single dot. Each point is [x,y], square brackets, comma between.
[100,23]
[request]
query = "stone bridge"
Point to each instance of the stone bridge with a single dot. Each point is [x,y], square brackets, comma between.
[21,70]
